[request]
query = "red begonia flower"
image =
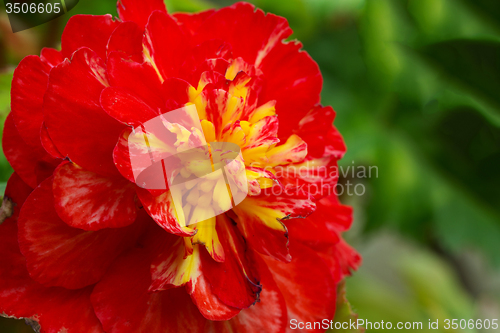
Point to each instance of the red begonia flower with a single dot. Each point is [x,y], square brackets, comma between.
[88,249]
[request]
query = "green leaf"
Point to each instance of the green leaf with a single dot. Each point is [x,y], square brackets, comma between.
[487,8]
[472,64]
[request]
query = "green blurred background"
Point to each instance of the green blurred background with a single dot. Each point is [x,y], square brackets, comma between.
[416,87]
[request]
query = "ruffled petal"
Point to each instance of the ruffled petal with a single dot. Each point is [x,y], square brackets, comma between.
[139,11]
[174,266]
[59,255]
[164,44]
[267,315]
[127,38]
[16,192]
[51,57]
[251,33]
[88,201]
[97,28]
[48,144]
[239,286]
[74,118]
[124,106]
[260,219]
[31,164]
[294,81]
[190,22]
[313,128]
[210,306]
[141,79]
[306,284]
[28,88]
[21,297]
[123,303]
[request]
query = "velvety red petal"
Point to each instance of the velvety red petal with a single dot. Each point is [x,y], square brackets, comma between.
[124,106]
[314,128]
[239,286]
[51,56]
[261,219]
[21,297]
[165,44]
[59,255]
[190,22]
[121,156]
[312,231]
[16,191]
[73,115]
[341,258]
[251,33]
[139,11]
[88,201]
[92,31]
[141,79]
[127,38]
[210,306]
[175,93]
[317,176]
[28,88]
[337,217]
[48,144]
[293,79]
[267,315]
[306,284]
[349,258]
[335,145]
[202,54]
[31,164]
[123,304]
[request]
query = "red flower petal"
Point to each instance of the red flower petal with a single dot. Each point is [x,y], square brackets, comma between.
[267,315]
[161,209]
[306,284]
[51,57]
[172,266]
[260,219]
[28,88]
[48,144]
[210,306]
[75,120]
[314,128]
[121,156]
[239,286]
[293,79]
[31,164]
[175,93]
[53,308]
[127,38]
[59,255]
[141,79]
[124,106]
[139,11]
[165,44]
[88,201]
[190,22]
[16,191]
[92,31]
[123,304]
[251,33]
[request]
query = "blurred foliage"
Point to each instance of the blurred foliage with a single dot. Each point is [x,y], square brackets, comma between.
[416,87]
